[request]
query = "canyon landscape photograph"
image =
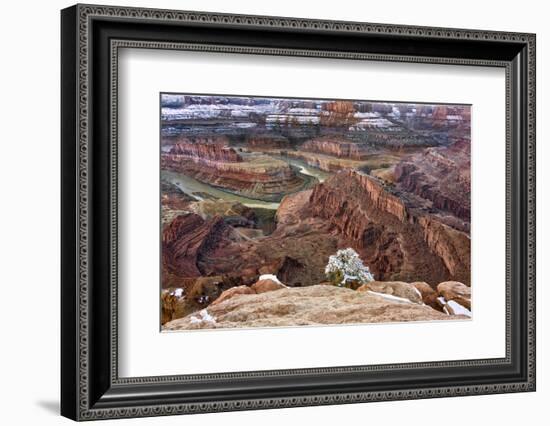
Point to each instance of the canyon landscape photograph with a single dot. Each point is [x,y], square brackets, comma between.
[279,212]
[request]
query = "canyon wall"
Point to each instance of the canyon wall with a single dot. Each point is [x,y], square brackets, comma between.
[396,241]
[259,143]
[350,209]
[338,114]
[450,245]
[187,237]
[206,152]
[337,147]
[259,177]
[440,175]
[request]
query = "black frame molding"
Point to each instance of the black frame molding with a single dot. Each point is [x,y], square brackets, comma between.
[91,36]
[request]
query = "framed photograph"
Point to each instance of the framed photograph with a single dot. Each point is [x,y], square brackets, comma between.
[263,212]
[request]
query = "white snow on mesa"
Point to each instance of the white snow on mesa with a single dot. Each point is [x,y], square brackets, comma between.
[245,125]
[172,100]
[206,111]
[178,292]
[303,111]
[366,115]
[458,309]
[367,123]
[239,113]
[288,118]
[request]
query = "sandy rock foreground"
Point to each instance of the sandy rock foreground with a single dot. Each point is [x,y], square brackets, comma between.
[314,305]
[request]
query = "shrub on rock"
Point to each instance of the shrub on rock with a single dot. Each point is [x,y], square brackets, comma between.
[346,269]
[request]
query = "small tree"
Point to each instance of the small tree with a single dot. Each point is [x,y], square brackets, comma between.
[346,268]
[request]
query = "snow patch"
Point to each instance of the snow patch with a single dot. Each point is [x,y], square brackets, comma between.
[270,277]
[204,317]
[366,115]
[443,302]
[390,296]
[458,309]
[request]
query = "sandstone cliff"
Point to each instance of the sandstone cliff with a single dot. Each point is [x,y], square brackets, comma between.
[187,238]
[440,175]
[206,152]
[337,147]
[267,142]
[395,240]
[338,114]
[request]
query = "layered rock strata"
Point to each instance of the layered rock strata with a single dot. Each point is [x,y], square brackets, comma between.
[397,241]
[267,142]
[338,114]
[188,237]
[206,153]
[440,175]
[337,147]
[258,176]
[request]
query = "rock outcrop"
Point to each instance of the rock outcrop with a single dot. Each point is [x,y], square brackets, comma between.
[205,152]
[394,288]
[337,147]
[440,175]
[267,142]
[315,305]
[457,292]
[324,162]
[234,213]
[429,295]
[188,237]
[451,245]
[265,285]
[173,201]
[292,207]
[232,292]
[261,286]
[338,114]
[356,185]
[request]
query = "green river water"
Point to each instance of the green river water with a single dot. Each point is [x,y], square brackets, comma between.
[192,186]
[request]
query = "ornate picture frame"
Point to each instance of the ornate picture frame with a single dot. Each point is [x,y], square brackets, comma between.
[91,37]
